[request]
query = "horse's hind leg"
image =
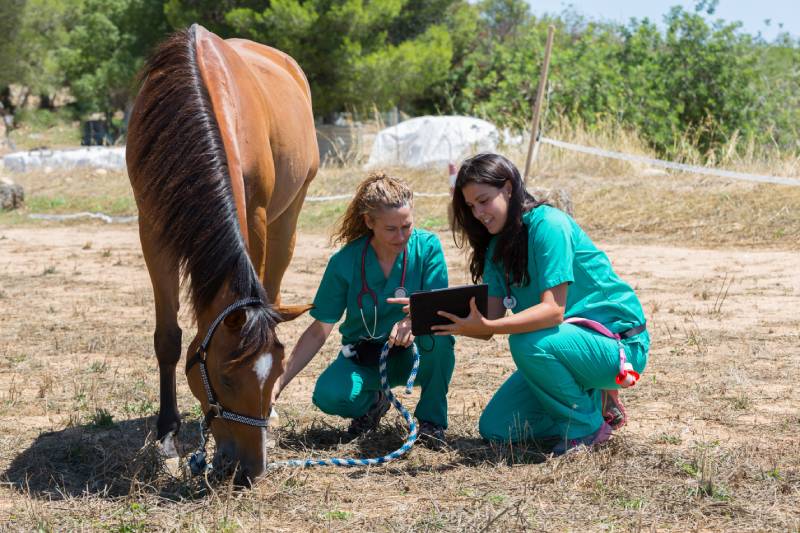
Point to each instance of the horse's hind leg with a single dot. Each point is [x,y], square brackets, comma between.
[167,338]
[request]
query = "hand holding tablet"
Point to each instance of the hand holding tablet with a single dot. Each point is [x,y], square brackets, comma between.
[424,306]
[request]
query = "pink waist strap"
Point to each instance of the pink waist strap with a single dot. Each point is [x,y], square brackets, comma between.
[627,376]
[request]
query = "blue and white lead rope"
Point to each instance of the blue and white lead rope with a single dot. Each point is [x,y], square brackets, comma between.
[412,424]
[198,464]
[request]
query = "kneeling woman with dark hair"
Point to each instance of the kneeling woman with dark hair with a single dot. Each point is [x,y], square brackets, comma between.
[577,332]
[383,257]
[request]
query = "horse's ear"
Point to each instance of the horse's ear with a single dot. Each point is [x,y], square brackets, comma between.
[236,320]
[288,313]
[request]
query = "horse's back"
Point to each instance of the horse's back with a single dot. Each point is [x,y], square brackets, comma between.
[263,105]
[271,62]
[286,94]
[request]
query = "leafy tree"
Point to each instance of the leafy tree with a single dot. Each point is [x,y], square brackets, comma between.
[210,13]
[43,31]
[694,80]
[107,43]
[10,15]
[355,53]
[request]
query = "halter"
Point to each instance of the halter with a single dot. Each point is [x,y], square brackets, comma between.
[216,410]
[399,292]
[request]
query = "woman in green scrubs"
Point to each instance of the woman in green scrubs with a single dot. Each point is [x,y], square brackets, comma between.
[540,265]
[383,256]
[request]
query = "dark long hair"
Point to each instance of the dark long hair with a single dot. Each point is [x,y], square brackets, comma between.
[511,250]
[179,165]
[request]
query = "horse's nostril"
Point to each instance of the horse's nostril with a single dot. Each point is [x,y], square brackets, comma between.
[245,479]
[248,476]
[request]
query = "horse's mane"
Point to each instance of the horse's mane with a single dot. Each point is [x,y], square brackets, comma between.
[187,186]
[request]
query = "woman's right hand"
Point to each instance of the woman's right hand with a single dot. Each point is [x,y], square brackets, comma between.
[401,301]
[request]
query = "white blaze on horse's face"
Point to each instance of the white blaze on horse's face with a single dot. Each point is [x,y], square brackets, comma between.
[262,369]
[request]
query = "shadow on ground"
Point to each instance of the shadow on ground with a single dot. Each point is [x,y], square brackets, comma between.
[123,458]
[113,460]
[320,440]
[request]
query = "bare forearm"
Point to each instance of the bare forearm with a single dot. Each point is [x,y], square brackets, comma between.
[304,351]
[538,317]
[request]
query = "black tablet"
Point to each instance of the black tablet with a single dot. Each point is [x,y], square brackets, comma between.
[455,300]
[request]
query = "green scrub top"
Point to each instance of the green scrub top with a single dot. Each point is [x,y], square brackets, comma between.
[341,283]
[560,252]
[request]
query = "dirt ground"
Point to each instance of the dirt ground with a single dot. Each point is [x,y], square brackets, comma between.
[712,443]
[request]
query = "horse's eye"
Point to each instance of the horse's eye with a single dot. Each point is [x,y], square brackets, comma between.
[227,381]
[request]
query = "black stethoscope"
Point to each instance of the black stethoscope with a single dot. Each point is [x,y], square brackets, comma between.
[509,302]
[399,292]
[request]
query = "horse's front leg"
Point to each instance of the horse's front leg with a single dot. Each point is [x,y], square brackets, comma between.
[281,237]
[167,336]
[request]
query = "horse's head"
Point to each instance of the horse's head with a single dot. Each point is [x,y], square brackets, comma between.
[232,372]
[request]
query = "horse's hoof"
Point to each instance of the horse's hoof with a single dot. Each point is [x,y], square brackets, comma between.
[274,422]
[167,446]
[173,467]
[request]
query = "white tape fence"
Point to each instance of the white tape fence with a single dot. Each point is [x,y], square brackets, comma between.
[778,180]
[669,164]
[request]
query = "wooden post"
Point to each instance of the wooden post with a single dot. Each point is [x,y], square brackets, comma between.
[537,105]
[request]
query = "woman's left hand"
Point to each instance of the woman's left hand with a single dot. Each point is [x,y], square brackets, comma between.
[472,325]
[401,334]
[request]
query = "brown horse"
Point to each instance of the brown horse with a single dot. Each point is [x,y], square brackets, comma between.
[221,149]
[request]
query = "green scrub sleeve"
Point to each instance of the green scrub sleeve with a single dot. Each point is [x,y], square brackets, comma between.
[553,248]
[434,271]
[331,299]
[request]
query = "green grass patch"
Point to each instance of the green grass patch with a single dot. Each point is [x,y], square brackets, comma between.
[337,515]
[320,217]
[64,204]
[102,419]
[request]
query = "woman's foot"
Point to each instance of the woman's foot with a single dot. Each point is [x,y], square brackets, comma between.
[613,410]
[431,435]
[371,419]
[598,437]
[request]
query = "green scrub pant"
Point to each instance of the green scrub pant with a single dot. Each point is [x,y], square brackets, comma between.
[348,389]
[556,390]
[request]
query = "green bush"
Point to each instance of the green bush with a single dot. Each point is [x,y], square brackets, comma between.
[42,119]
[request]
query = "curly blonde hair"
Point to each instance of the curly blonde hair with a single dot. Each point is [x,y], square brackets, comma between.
[378,191]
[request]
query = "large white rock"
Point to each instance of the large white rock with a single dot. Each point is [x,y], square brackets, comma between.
[432,141]
[92,157]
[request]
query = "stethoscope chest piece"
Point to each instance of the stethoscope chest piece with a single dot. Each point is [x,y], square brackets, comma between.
[400,292]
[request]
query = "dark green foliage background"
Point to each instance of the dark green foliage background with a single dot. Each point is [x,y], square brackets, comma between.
[688,81]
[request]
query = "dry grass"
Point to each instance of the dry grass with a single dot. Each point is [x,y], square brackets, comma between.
[712,444]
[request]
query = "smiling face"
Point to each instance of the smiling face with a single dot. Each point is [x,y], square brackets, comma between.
[391,227]
[488,204]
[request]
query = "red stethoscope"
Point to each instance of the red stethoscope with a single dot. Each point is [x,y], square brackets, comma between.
[399,292]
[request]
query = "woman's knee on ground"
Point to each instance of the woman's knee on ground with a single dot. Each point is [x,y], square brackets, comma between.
[334,401]
[494,428]
[334,398]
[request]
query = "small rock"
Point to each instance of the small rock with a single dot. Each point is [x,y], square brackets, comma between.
[173,467]
[48,170]
[100,172]
[652,172]
[12,195]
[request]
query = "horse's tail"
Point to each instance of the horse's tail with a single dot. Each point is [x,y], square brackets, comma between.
[179,169]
